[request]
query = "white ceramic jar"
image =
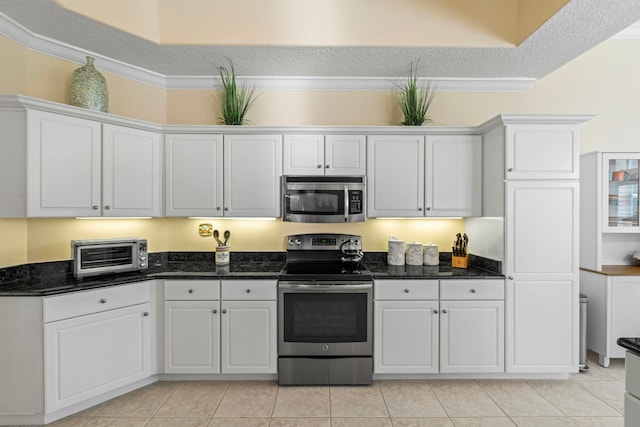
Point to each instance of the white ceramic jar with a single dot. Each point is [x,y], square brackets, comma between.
[431,254]
[414,253]
[395,252]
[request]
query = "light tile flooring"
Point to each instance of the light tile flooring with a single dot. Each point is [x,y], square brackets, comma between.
[590,399]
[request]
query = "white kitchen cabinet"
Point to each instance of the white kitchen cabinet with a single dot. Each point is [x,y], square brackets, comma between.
[395,175]
[192,326]
[80,167]
[96,350]
[542,276]
[324,155]
[193,175]
[249,327]
[542,150]
[453,175]
[612,311]
[252,171]
[405,328]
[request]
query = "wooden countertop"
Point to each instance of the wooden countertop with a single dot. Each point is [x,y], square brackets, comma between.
[617,270]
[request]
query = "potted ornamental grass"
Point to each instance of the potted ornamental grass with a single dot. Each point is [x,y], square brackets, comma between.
[415,99]
[234,99]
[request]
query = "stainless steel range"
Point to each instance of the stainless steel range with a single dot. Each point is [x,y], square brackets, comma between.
[325,316]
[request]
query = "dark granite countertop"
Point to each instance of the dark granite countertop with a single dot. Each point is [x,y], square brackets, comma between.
[631,344]
[52,278]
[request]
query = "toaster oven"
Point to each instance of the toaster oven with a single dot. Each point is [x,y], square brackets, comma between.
[108,256]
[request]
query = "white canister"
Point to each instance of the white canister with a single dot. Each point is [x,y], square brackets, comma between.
[222,255]
[395,252]
[414,253]
[431,254]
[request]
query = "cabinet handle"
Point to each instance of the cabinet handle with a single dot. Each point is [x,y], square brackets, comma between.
[428,208]
[248,291]
[510,277]
[94,207]
[145,314]
[444,311]
[190,291]
[319,166]
[107,207]
[406,291]
[224,311]
[226,209]
[473,291]
[217,208]
[419,209]
[328,166]
[435,311]
[103,300]
[510,169]
[215,311]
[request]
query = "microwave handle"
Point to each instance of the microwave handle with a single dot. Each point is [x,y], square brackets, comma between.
[346,204]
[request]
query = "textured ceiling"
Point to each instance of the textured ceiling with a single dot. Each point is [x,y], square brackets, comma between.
[576,28]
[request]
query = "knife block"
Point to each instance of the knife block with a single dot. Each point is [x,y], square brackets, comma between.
[460,261]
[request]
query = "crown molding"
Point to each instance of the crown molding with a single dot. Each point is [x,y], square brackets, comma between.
[30,40]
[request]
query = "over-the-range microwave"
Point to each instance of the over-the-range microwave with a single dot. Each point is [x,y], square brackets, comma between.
[108,256]
[323,199]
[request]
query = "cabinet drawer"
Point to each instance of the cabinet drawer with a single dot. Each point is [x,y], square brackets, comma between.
[191,290]
[95,301]
[249,290]
[471,289]
[405,289]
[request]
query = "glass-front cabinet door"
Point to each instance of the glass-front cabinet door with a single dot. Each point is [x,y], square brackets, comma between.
[621,192]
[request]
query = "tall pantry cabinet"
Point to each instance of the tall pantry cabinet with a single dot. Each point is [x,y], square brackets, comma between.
[531,171]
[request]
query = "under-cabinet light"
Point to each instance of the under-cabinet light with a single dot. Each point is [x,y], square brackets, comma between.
[217,218]
[113,217]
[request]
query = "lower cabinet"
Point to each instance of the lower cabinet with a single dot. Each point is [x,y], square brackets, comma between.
[204,335]
[431,326]
[89,352]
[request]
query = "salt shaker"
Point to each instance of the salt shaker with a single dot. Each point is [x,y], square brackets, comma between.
[395,254]
[414,253]
[431,254]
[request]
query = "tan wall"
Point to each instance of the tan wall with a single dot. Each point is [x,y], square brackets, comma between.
[603,81]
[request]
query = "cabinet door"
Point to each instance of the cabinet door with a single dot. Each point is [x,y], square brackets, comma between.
[64,166]
[472,336]
[303,155]
[453,175]
[249,337]
[131,172]
[345,155]
[620,192]
[193,175]
[395,176]
[90,355]
[542,151]
[625,294]
[541,265]
[252,171]
[192,337]
[405,337]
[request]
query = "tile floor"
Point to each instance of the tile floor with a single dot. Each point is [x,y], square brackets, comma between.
[590,399]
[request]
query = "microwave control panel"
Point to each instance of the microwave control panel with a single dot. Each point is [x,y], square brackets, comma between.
[355,201]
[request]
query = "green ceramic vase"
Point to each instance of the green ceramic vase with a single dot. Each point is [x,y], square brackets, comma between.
[89,88]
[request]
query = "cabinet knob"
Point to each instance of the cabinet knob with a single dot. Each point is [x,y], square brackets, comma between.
[226,209]
[217,208]
[444,311]
[510,169]
[473,291]
[406,291]
[103,300]
[428,208]
[319,166]
[145,314]
[435,311]
[94,207]
[328,166]
[190,291]
[224,311]
[215,311]
[510,277]
[248,291]
[419,209]
[107,207]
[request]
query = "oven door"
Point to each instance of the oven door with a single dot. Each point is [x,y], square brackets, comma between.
[322,319]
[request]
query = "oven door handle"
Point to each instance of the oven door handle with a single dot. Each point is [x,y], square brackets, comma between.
[317,287]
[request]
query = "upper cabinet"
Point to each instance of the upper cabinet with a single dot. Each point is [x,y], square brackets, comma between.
[79,167]
[324,155]
[404,182]
[193,175]
[549,151]
[609,218]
